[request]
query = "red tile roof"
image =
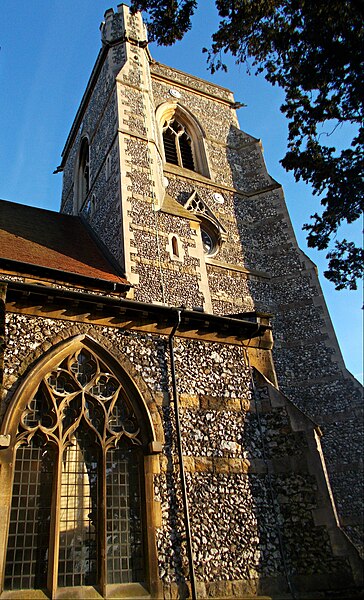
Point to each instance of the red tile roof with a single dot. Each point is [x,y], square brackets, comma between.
[34,236]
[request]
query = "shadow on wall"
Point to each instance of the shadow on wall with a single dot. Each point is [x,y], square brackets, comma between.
[251,492]
[233,523]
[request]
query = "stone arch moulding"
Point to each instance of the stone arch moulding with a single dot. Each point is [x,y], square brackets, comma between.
[134,385]
[128,425]
[173,109]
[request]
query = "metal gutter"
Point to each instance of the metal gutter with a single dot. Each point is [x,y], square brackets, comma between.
[250,327]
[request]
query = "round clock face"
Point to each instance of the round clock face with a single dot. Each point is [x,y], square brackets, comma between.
[174,93]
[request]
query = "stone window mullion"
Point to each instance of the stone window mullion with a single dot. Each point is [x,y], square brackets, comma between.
[178,148]
[52,580]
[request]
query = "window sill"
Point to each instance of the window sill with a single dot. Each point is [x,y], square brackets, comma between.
[134,591]
[176,170]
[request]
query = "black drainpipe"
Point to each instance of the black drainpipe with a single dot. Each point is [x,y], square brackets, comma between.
[180,458]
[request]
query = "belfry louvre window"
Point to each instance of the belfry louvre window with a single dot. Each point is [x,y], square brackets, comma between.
[76,513]
[177,145]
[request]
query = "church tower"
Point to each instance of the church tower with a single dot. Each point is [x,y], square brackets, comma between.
[121,144]
[158,167]
[176,419]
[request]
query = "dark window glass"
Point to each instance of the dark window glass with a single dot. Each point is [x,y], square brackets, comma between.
[123,516]
[30,516]
[175,247]
[177,145]
[169,140]
[186,152]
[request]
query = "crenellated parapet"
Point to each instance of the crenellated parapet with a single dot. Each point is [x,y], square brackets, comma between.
[122,25]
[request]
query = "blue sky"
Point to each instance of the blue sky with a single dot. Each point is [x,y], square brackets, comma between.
[48,48]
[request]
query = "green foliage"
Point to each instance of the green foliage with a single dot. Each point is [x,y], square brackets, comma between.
[314,51]
[168,20]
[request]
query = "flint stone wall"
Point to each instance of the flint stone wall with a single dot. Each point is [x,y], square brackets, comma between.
[234,520]
[259,239]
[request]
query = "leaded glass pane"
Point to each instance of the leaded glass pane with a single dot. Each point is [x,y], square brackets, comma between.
[28,541]
[105,387]
[71,412]
[84,367]
[123,516]
[78,543]
[95,413]
[122,418]
[40,410]
[61,383]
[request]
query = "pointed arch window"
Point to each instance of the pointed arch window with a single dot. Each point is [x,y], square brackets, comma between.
[76,516]
[182,138]
[177,145]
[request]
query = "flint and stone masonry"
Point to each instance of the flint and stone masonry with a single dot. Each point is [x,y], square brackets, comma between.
[219,349]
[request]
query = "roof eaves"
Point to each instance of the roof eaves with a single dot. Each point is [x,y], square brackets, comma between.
[132,311]
[60,276]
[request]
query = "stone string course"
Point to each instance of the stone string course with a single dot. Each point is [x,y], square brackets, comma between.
[259,237]
[216,117]
[193,82]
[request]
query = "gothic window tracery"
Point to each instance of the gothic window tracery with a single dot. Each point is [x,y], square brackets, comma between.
[177,144]
[76,514]
[212,232]
[182,138]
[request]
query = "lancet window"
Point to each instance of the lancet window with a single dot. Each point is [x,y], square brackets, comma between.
[177,144]
[83,175]
[76,514]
